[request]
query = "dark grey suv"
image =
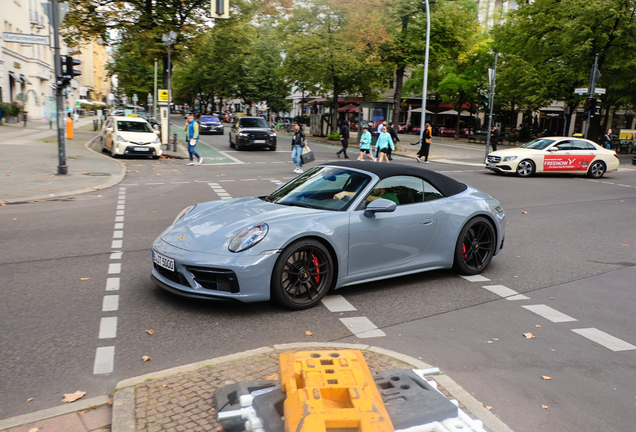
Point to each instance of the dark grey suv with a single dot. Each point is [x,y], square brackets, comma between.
[252,132]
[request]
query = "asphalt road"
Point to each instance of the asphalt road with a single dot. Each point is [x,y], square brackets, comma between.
[570,245]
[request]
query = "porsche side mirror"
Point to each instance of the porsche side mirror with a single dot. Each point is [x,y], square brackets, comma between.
[380,206]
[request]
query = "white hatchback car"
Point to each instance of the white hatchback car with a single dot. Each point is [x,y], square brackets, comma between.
[130,136]
[554,155]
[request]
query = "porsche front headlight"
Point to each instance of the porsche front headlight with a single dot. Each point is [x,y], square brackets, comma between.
[183,213]
[248,237]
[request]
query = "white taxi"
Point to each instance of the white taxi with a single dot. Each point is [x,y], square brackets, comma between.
[130,136]
[554,155]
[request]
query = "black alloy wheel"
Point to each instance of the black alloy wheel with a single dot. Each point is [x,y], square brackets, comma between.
[475,246]
[596,170]
[302,275]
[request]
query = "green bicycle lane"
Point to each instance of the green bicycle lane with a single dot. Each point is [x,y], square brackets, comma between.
[208,154]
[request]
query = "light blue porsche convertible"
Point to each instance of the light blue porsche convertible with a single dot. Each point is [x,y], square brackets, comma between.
[338,224]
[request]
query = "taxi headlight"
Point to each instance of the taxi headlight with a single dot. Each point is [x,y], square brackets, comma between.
[121,139]
[248,237]
[183,213]
[509,158]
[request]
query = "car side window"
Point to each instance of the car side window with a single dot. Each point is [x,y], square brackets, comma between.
[582,145]
[430,192]
[401,190]
[564,146]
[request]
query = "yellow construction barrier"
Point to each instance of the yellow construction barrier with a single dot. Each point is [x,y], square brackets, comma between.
[69,128]
[329,391]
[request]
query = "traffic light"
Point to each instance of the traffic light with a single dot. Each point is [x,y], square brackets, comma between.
[69,63]
[486,100]
[68,73]
[590,104]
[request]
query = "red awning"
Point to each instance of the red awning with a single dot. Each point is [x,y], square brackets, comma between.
[349,109]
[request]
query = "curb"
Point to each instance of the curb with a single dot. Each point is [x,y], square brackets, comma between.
[110,183]
[80,405]
[124,419]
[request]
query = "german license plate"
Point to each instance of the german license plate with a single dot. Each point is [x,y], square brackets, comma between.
[491,165]
[162,261]
[260,141]
[142,149]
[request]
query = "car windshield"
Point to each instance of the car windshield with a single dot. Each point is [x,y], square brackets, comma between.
[253,123]
[538,144]
[317,188]
[209,119]
[133,126]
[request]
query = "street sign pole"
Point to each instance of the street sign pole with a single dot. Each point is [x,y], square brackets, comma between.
[593,79]
[62,169]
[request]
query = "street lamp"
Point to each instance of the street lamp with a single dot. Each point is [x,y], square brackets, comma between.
[169,40]
[424,90]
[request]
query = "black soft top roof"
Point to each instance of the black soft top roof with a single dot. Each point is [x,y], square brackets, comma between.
[442,183]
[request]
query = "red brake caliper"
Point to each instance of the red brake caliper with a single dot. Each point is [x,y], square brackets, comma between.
[316,263]
[464,254]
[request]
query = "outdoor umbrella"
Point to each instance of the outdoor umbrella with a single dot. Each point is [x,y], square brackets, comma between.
[349,108]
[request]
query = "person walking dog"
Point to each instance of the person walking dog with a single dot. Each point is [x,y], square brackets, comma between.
[192,137]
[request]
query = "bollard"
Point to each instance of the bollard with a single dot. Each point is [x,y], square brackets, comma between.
[174,143]
[50,124]
[25,119]
[94,125]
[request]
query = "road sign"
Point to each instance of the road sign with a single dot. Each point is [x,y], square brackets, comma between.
[581,90]
[135,98]
[598,90]
[163,96]
[22,38]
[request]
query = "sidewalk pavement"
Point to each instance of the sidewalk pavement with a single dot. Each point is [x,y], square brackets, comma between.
[181,398]
[29,163]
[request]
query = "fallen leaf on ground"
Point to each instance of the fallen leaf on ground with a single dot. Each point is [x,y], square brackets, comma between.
[552,349]
[308,333]
[2,204]
[164,385]
[84,278]
[29,399]
[34,430]
[524,212]
[150,331]
[272,377]
[72,397]
[341,314]
[625,244]
[551,298]
[529,335]
[495,339]
[98,196]
[180,238]
[537,326]
[488,407]
[110,401]
[145,358]
[158,175]
[544,406]
[196,181]
[547,378]
[350,325]
[489,341]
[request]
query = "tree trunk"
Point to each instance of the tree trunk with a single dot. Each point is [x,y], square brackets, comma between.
[334,106]
[397,98]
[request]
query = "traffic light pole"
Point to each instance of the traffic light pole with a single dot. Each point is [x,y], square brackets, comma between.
[591,94]
[62,169]
[492,100]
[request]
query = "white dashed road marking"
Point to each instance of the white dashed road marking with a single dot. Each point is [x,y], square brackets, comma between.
[362,327]
[505,292]
[337,303]
[602,338]
[112,284]
[548,313]
[114,268]
[108,328]
[476,278]
[110,303]
[104,360]
[116,255]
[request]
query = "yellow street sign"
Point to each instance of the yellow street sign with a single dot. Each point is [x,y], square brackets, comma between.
[163,96]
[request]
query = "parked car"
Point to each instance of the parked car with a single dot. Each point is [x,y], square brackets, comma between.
[338,224]
[130,136]
[212,124]
[554,155]
[252,132]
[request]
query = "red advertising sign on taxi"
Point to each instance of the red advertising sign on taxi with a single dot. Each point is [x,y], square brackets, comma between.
[567,162]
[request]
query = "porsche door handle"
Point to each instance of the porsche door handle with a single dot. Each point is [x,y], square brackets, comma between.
[426,221]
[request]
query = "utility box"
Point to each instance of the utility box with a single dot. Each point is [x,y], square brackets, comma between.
[165,124]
